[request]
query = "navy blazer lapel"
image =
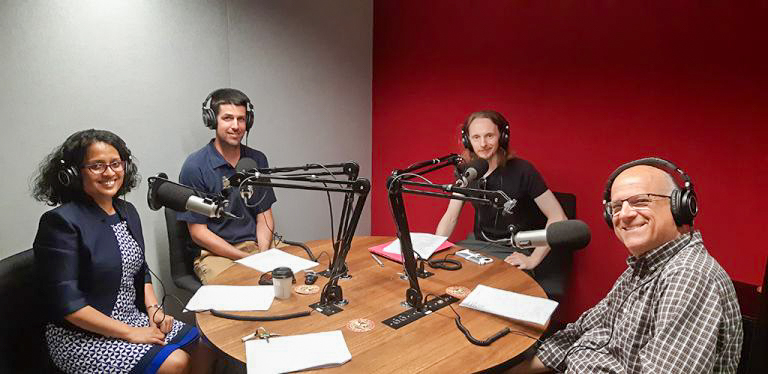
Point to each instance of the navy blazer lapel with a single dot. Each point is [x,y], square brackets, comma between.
[131,218]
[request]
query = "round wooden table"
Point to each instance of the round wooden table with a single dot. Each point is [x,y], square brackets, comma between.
[430,344]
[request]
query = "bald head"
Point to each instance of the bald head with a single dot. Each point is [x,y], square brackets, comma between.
[642,229]
[652,177]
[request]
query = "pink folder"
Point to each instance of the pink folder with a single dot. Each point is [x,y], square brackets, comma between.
[379,250]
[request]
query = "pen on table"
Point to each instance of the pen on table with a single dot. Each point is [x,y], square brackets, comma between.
[249,337]
[377,260]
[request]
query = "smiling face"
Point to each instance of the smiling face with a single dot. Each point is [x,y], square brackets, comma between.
[101,187]
[230,126]
[642,230]
[484,137]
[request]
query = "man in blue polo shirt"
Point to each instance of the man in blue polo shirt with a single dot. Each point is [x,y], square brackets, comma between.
[217,242]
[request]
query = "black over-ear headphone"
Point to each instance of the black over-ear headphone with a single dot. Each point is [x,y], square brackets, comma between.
[69,175]
[503,136]
[209,116]
[682,202]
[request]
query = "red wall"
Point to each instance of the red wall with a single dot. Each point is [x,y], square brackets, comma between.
[586,87]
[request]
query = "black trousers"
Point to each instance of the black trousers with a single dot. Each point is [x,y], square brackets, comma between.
[552,273]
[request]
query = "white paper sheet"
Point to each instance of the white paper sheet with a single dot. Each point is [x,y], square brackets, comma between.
[232,298]
[423,244]
[273,258]
[296,352]
[510,304]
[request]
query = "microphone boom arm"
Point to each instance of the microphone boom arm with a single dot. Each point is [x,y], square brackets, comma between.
[355,193]
[396,187]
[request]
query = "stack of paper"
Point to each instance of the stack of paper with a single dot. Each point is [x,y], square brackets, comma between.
[510,304]
[296,352]
[423,244]
[232,298]
[274,258]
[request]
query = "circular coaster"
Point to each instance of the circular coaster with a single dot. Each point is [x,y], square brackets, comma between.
[306,289]
[457,291]
[361,325]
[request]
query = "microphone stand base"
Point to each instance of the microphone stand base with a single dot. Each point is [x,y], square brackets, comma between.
[327,309]
[413,314]
[424,274]
[327,273]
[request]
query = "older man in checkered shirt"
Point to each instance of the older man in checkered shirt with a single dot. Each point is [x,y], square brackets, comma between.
[673,310]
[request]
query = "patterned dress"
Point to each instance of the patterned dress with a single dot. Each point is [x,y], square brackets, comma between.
[79,351]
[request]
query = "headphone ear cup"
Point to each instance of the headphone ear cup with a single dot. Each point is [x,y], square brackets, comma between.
[688,207]
[504,138]
[465,140]
[209,118]
[248,116]
[69,176]
[675,205]
[608,215]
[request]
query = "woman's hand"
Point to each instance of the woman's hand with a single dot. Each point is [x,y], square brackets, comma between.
[159,319]
[522,261]
[145,335]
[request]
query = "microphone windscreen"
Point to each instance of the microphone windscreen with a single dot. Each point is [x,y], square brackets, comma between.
[479,164]
[571,234]
[245,164]
[172,195]
[154,182]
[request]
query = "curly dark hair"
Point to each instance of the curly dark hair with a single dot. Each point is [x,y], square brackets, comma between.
[47,185]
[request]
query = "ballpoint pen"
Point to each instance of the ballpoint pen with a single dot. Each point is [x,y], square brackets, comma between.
[377,260]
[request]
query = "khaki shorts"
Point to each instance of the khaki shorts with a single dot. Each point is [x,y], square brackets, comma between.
[208,266]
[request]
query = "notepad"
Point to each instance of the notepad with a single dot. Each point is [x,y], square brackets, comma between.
[510,304]
[232,298]
[296,352]
[274,258]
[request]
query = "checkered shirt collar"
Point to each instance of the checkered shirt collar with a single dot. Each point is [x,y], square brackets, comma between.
[648,263]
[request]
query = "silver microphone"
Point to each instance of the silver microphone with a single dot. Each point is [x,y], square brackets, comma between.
[570,234]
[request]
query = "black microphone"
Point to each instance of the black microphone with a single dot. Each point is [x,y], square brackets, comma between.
[246,164]
[571,234]
[475,168]
[164,193]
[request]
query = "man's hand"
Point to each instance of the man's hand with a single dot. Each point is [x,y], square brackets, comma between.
[522,261]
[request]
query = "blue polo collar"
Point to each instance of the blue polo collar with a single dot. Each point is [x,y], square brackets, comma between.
[215,159]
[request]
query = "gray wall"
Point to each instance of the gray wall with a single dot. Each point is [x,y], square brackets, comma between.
[142,68]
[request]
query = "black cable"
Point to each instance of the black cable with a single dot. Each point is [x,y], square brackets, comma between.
[484,343]
[389,187]
[328,194]
[445,263]
[152,273]
[329,282]
[317,259]
[257,318]
[488,341]
[263,195]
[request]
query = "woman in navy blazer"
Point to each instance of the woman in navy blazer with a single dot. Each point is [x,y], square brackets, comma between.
[89,253]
